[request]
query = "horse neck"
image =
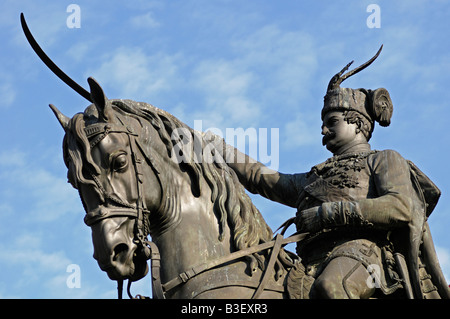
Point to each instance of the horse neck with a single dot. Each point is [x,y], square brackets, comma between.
[195,238]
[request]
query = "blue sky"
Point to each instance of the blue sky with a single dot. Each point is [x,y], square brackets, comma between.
[250,64]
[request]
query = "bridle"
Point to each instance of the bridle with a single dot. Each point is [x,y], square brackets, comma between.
[147,249]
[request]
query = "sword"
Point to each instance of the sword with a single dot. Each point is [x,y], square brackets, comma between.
[403,270]
[50,64]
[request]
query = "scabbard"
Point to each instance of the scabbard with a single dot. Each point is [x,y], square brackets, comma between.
[404,273]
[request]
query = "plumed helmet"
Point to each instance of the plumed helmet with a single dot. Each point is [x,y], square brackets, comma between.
[375,105]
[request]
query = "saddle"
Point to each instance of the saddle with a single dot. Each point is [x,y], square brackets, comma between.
[298,283]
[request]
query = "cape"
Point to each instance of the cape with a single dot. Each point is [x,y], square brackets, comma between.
[421,247]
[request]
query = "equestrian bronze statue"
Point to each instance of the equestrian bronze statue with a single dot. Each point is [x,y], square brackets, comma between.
[361,219]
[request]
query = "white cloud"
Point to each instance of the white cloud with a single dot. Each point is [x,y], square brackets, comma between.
[11,158]
[8,94]
[51,196]
[267,76]
[302,130]
[144,21]
[284,61]
[268,72]
[137,75]
[224,85]
[46,21]
[80,50]
[222,77]
[36,271]
[30,262]
[40,240]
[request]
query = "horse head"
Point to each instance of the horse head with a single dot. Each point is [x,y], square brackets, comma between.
[104,153]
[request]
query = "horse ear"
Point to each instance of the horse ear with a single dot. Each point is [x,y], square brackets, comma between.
[100,100]
[62,119]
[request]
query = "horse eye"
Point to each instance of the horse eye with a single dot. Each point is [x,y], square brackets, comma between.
[120,162]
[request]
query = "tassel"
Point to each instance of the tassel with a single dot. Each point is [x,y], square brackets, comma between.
[382,107]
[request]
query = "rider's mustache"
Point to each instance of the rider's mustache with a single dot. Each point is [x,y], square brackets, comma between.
[327,137]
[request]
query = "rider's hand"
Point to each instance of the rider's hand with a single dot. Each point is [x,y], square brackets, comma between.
[309,220]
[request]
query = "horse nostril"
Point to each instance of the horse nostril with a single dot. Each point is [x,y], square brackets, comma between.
[118,250]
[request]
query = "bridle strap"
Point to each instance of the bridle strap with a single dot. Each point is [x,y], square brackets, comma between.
[155,260]
[200,268]
[149,248]
[139,232]
[273,257]
[96,216]
[155,268]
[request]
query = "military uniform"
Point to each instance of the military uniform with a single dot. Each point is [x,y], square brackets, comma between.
[382,213]
[370,206]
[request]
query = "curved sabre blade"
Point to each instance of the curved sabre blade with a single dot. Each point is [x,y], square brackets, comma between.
[50,64]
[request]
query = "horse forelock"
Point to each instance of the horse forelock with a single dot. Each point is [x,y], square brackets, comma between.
[76,152]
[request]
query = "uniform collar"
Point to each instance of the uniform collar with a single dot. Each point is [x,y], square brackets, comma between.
[355,149]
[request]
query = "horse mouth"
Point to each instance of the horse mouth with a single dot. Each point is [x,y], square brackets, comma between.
[118,272]
[125,265]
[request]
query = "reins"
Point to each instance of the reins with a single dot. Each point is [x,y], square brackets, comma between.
[159,290]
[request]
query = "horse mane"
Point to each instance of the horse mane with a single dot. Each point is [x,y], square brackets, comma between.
[232,206]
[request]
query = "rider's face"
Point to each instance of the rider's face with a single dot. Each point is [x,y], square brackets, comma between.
[337,132]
